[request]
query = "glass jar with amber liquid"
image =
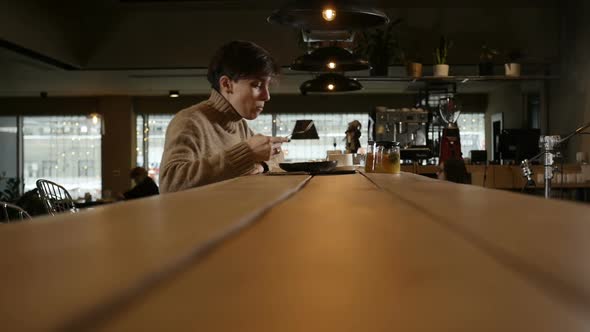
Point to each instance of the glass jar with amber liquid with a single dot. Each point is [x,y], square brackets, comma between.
[369,158]
[384,157]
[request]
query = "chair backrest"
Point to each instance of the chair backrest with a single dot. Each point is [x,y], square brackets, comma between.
[56,198]
[12,213]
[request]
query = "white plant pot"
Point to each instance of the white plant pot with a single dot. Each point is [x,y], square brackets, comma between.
[512,69]
[440,70]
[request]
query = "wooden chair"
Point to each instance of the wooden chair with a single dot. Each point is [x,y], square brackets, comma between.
[12,213]
[56,198]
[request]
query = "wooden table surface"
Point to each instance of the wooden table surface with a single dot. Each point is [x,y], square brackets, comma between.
[373,252]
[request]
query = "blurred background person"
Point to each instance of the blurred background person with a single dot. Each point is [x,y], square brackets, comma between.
[143,185]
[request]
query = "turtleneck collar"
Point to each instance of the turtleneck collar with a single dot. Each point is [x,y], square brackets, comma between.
[219,103]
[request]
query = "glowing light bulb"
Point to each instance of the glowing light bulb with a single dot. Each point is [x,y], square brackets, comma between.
[331,65]
[329,14]
[330,87]
[94,119]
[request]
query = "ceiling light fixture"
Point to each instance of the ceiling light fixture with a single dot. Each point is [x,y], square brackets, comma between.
[97,118]
[174,94]
[330,83]
[305,14]
[94,118]
[329,14]
[329,59]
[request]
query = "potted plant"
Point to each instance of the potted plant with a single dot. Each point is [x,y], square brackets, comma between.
[512,65]
[486,61]
[441,67]
[379,46]
[414,68]
[412,60]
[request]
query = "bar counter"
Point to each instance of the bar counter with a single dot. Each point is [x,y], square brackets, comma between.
[357,252]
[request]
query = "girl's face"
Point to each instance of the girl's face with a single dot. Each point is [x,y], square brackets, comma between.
[247,95]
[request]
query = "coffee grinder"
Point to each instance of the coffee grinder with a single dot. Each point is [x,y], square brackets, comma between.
[450,144]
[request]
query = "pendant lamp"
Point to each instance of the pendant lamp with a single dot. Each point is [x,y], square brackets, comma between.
[328,15]
[330,82]
[328,59]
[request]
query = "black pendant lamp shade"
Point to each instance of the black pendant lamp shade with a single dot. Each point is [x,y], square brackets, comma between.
[304,129]
[344,15]
[330,83]
[330,58]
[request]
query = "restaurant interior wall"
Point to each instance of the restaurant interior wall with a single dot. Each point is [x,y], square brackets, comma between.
[40,26]
[507,100]
[110,34]
[132,43]
[8,147]
[570,96]
[284,103]
[118,143]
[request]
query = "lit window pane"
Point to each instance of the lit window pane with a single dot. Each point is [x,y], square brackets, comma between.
[472,132]
[65,150]
[262,124]
[139,127]
[151,134]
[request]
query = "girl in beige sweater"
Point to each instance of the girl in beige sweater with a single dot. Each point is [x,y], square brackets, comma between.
[211,141]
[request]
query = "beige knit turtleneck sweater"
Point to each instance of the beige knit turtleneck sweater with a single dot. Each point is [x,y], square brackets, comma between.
[205,143]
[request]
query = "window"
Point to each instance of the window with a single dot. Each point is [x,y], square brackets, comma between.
[472,132]
[151,134]
[157,126]
[140,130]
[330,128]
[262,124]
[65,150]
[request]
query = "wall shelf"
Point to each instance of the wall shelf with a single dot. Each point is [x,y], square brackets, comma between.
[463,83]
[454,79]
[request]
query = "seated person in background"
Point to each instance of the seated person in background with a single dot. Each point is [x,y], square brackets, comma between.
[210,141]
[454,170]
[144,185]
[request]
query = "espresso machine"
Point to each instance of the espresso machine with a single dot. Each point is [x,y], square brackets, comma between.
[408,126]
[405,125]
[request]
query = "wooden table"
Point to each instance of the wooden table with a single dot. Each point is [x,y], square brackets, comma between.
[373,252]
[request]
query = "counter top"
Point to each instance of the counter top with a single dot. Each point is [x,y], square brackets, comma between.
[373,252]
